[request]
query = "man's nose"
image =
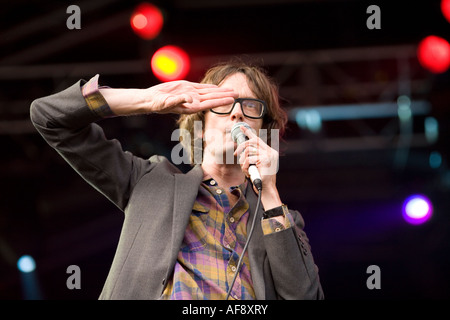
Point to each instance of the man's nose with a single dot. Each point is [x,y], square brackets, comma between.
[236,113]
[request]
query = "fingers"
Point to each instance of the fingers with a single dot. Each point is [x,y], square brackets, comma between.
[211,91]
[257,152]
[215,97]
[197,85]
[247,161]
[211,95]
[250,155]
[217,102]
[248,132]
[195,106]
[252,145]
[207,96]
[214,89]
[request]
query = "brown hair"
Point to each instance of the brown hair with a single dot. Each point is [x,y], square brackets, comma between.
[261,85]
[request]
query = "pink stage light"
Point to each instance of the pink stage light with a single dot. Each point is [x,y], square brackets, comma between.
[417,209]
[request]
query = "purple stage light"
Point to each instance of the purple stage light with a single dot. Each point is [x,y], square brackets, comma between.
[417,209]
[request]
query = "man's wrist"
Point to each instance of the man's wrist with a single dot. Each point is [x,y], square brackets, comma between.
[270,198]
[94,99]
[275,212]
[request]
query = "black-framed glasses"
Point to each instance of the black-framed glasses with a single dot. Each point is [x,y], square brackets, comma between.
[251,108]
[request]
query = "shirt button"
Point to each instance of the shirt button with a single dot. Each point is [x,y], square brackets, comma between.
[231,219]
[233,268]
[212,182]
[219,191]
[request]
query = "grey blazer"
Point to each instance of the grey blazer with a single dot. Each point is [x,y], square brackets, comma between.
[157,199]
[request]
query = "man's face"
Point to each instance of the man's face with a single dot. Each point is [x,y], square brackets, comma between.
[217,130]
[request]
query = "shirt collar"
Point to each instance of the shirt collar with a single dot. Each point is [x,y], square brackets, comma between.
[210,182]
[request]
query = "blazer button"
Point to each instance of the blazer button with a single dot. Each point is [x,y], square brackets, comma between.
[164,281]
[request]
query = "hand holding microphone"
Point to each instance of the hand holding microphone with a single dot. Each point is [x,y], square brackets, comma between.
[239,137]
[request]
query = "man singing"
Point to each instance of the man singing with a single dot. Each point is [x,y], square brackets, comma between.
[184,233]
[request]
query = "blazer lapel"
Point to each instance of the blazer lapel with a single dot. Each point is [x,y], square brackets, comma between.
[186,189]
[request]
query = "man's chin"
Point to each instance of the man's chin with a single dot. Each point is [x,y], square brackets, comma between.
[226,155]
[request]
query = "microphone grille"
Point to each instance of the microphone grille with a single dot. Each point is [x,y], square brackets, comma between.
[236,130]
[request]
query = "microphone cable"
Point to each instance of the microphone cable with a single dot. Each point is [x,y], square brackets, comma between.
[239,264]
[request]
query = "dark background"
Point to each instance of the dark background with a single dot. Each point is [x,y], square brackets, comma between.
[349,180]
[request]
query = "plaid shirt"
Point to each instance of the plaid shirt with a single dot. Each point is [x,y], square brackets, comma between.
[214,238]
[211,248]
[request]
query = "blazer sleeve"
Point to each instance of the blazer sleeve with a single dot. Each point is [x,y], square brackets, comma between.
[294,273]
[68,125]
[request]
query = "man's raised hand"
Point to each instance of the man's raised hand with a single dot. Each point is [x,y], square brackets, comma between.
[187,97]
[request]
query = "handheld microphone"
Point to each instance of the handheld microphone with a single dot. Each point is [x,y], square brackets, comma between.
[239,137]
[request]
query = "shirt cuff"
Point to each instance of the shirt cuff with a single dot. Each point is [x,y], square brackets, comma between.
[95,99]
[272,225]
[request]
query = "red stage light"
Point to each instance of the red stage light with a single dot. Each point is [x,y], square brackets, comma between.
[147,21]
[170,63]
[445,8]
[434,54]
